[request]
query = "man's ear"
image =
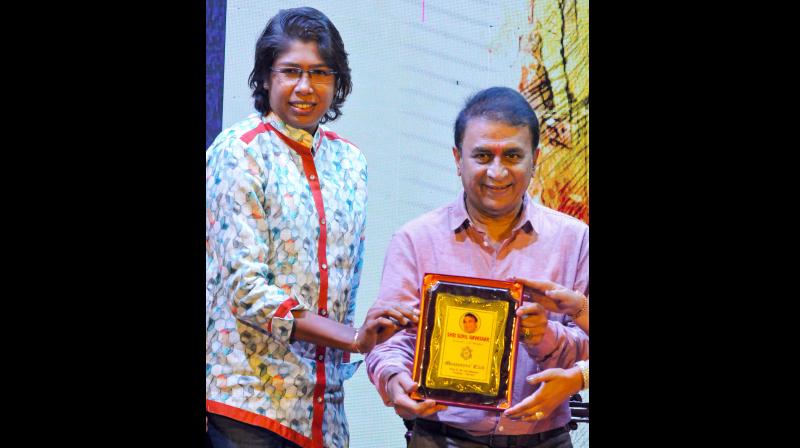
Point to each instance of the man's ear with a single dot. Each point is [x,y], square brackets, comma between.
[457,157]
[535,157]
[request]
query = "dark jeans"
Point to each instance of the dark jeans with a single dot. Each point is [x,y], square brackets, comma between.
[423,438]
[224,432]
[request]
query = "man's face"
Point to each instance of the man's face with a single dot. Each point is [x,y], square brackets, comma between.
[496,166]
[300,103]
[470,324]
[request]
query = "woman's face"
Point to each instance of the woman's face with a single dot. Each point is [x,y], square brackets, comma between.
[302,102]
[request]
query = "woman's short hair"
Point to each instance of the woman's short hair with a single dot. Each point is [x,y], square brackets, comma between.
[307,25]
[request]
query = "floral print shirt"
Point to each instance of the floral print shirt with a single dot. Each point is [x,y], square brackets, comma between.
[285,221]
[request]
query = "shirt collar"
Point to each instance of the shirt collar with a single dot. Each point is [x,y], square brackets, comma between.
[460,220]
[299,135]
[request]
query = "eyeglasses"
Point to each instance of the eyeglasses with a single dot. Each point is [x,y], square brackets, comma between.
[315,76]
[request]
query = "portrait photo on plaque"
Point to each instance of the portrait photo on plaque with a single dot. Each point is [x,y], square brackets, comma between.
[466,341]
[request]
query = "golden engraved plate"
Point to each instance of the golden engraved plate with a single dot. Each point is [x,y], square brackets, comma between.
[466,341]
[467,344]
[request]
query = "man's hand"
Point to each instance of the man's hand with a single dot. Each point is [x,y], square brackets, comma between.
[557,386]
[398,388]
[534,322]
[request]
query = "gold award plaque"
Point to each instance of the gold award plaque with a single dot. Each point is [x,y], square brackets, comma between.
[466,341]
[465,344]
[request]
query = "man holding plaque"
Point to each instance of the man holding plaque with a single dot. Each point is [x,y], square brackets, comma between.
[493,230]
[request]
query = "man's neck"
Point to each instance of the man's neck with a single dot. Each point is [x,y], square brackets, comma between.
[496,229]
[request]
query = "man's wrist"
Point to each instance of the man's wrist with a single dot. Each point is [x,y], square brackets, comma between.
[387,377]
[546,348]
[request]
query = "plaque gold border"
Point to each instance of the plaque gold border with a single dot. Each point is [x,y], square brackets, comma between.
[429,280]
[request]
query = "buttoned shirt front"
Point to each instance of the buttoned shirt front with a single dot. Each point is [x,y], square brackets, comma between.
[285,221]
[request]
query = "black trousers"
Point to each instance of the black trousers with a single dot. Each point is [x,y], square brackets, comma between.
[224,432]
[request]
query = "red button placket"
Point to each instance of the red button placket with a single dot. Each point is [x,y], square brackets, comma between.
[322,304]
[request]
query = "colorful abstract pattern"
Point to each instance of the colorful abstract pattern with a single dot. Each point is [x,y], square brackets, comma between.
[555,80]
[263,226]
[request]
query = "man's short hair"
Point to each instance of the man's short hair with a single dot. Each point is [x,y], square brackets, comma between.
[470,315]
[500,104]
[307,25]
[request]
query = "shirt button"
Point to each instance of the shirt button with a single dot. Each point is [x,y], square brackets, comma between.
[321,357]
[319,399]
[324,266]
[322,221]
[500,428]
[312,177]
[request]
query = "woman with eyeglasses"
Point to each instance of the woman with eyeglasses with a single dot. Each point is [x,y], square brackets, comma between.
[285,220]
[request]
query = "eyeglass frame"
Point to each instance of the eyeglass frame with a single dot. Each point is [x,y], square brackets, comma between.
[285,71]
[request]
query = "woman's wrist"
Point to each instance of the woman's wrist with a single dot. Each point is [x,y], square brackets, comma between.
[583,367]
[573,374]
[584,307]
[354,346]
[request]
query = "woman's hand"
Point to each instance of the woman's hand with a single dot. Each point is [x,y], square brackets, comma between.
[382,322]
[556,298]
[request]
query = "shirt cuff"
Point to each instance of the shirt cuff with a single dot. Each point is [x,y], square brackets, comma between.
[282,321]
